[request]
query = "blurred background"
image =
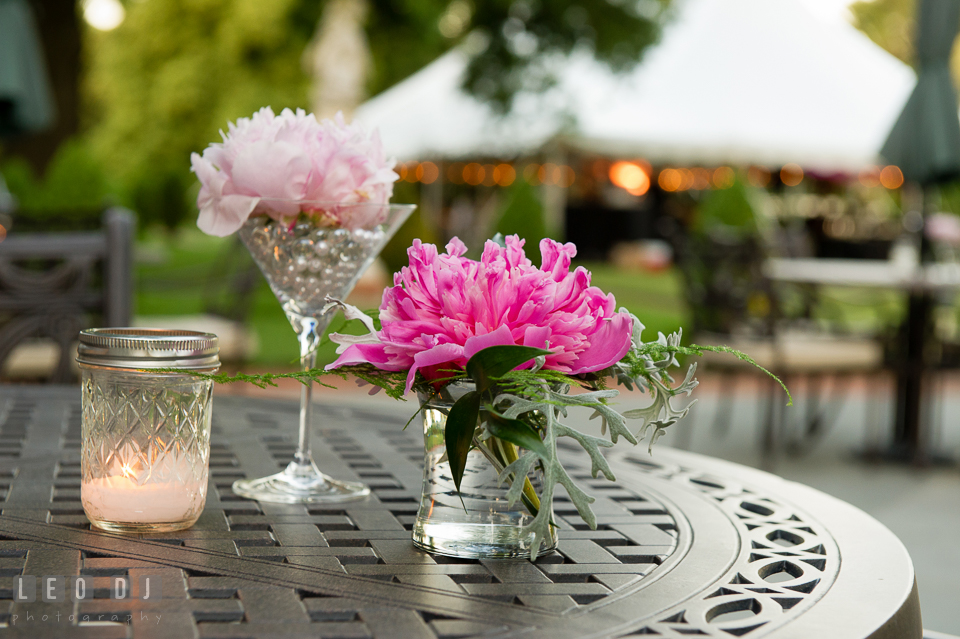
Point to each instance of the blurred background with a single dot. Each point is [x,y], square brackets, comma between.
[779,176]
[715,123]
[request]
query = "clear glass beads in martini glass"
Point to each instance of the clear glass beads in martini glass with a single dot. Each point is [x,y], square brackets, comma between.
[304,260]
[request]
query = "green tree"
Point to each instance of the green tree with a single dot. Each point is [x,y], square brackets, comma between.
[174,73]
[405,35]
[889,23]
[727,211]
[523,215]
[71,194]
[522,33]
[892,25]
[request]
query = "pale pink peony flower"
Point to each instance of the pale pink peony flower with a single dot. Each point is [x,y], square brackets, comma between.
[282,165]
[444,308]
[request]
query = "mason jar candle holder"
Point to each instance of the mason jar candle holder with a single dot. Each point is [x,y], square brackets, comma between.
[145,456]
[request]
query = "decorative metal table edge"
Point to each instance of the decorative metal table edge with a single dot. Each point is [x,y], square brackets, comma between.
[685,546]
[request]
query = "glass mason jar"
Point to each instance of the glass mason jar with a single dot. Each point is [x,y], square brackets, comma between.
[483,524]
[145,455]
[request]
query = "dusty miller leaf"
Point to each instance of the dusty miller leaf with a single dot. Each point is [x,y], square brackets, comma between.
[592,445]
[518,470]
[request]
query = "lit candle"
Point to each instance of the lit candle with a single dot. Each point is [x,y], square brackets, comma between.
[145,456]
[169,492]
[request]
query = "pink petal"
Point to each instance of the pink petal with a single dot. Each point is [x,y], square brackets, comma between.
[440,354]
[273,170]
[556,257]
[499,337]
[608,345]
[211,179]
[455,247]
[364,354]
[225,215]
[536,336]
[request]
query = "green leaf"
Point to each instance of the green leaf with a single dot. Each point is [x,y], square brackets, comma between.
[458,435]
[497,361]
[515,432]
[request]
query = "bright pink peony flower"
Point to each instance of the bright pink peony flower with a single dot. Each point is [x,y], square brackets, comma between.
[442,309]
[280,165]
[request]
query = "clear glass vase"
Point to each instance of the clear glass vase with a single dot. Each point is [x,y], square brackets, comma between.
[483,524]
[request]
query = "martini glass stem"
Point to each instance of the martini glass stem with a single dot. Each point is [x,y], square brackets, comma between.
[309,338]
[304,263]
[301,481]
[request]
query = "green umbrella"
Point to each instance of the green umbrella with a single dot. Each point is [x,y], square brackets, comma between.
[925,144]
[925,141]
[26,101]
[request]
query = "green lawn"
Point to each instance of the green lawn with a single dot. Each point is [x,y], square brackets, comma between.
[184,274]
[656,298]
[184,270]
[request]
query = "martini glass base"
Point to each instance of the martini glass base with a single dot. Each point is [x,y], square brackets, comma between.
[300,484]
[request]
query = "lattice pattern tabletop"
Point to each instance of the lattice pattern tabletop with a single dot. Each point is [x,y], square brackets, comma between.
[685,546]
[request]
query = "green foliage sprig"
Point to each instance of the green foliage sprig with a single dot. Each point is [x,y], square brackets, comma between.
[657,348]
[513,417]
[391,382]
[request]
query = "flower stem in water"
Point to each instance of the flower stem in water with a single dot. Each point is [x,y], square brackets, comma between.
[501,454]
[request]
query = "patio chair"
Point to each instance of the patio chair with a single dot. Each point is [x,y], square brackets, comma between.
[52,285]
[228,288]
[733,303]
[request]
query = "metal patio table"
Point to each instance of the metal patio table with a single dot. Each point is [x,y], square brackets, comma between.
[919,283]
[686,546]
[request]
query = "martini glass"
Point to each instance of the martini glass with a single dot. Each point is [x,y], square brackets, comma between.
[305,259]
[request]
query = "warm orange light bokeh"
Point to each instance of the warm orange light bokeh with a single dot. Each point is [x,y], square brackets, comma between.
[504,175]
[552,174]
[428,172]
[546,173]
[670,180]
[724,177]
[701,179]
[473,174]
[630,177]
[489,179]
[891,177]
[791,174]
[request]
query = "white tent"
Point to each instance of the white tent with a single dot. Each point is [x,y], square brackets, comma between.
[428,116]
[731,81]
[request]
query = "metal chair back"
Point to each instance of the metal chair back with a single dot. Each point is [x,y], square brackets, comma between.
[53,284]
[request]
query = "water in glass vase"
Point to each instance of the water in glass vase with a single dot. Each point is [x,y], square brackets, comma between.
[483,524]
